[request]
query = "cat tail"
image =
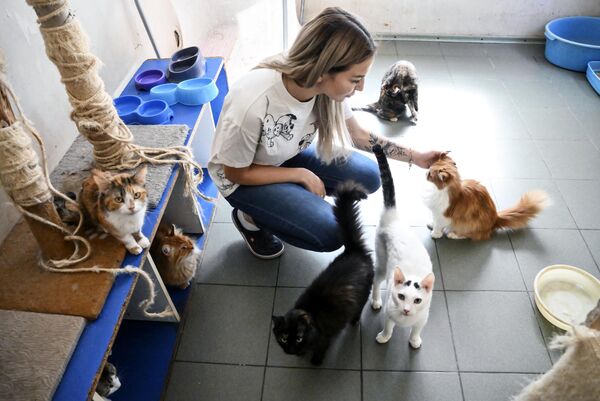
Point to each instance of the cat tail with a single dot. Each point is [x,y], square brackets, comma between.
[530,204]
[370,107]
[387,181]
[347,215]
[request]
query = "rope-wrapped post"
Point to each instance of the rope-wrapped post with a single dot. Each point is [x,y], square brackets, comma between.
[93,110]
[23,180]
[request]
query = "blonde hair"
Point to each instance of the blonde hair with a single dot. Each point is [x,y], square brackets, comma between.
[332,42]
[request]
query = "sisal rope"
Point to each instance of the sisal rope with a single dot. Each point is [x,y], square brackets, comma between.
[93,111]
[27,183]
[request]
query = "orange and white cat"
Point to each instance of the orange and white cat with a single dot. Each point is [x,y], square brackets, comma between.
[117,203]
[175,255]
[465,209]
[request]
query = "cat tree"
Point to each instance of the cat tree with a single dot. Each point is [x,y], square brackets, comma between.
[25,181]
[93,111]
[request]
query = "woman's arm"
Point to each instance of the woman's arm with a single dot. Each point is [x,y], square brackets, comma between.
[365,140]
[256,174]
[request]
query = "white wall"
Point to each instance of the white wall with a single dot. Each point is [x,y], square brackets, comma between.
[459,18]
[120,43]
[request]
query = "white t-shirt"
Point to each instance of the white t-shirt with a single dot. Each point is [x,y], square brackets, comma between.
[260,123]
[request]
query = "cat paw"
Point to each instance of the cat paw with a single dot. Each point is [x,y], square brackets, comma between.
[394,119]
[135,250]
[436,234]
[382,338]
[143,242]
[415,342]
[453,235]
[376,304]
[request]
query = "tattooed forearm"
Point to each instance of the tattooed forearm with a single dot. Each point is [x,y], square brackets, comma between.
[391,149]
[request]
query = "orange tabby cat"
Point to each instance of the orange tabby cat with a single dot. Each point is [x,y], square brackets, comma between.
[117,204]
[465,208]
[175,255]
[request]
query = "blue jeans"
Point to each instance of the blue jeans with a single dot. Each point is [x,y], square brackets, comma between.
[296,215]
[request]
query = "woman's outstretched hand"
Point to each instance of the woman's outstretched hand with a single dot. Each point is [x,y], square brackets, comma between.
[426,159]
[310,181]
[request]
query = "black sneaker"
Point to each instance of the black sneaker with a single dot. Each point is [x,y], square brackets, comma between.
[261,243]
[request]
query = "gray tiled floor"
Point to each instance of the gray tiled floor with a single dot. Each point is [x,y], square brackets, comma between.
[512,121]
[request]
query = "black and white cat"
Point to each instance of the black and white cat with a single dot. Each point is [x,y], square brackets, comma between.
[399,89]
[404,263]
[337,296]
[109,381]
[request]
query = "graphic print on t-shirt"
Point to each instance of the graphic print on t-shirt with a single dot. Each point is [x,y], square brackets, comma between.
[307,139]
[273,128]
[224,184]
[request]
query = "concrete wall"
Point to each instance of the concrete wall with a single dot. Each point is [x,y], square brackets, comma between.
[460,18]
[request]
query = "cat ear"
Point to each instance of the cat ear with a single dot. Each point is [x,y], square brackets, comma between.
[398,276]
[140,176]
[427,282]
[277,321]
[101,180]
[306,317]
[171,230]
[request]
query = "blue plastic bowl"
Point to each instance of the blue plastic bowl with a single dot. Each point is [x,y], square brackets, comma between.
[185,53]
[197,91]
[154,112]
[127,108]
[185,64]
[572,42]
[592,75]
[166,92]
[147,79]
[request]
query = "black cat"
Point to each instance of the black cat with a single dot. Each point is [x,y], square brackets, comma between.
[337,296]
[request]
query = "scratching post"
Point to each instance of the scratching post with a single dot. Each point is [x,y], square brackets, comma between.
[23,179]
[93,111]
[575,375]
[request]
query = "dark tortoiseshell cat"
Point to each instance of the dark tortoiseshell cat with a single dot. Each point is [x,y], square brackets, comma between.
[337,296]
[399,89]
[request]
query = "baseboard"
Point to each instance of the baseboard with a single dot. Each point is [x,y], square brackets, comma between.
[458,39]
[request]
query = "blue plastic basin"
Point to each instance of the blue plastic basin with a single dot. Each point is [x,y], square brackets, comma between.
[572,42]
[592,73]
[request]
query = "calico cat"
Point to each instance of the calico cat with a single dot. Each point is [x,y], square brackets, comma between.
[117,203]
[337,296]
[402,255]
[465,209]
[175,255]
[399,88]
[109,381]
